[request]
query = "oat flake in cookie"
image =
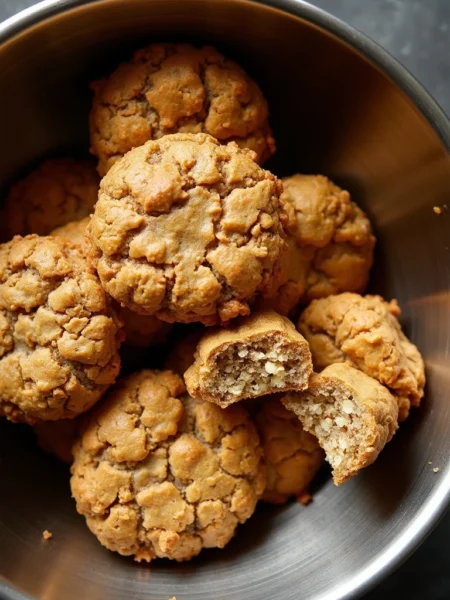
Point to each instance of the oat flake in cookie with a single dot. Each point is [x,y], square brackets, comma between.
[160,475]
[188,230]
[59,338]
[171,88]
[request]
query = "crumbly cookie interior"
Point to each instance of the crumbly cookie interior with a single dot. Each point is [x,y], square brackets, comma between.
[337,422]
[266,364]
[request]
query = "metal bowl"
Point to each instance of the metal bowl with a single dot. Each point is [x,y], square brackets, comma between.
[342,106]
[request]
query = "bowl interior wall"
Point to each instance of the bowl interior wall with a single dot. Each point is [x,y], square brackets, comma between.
[332,111]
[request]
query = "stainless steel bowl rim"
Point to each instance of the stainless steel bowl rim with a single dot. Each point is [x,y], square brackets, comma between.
[435,507]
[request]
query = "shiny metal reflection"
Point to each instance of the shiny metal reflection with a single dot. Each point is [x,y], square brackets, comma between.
[339,105]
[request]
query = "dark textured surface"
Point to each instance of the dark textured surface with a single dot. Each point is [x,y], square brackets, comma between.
[418,34]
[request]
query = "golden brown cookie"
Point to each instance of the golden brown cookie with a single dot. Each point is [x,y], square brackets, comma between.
[188,230]
[331,242]
[171,88]
[293,456]
[58,437]
[58,335]
[142,331]
[364,332]
[159,475]
[74,231]
[139,331]
[58,191]
[351,414]
[257,355]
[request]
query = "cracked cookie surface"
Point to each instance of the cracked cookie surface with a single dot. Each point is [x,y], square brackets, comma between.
[171,88]
[58,191]
[160,475]
[364,332]
[330,239]
[58,336]
[293,456]
[139,331]
[188,230]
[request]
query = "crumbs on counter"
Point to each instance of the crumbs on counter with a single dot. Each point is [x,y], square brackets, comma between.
[47,535]
[436,470]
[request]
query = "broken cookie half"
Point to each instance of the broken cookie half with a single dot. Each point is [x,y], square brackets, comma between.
[259,355]
[352,415]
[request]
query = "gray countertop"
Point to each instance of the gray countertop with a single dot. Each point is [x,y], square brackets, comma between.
[417,33]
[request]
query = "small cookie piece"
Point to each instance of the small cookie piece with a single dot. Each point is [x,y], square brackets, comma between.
[351,414]
[293,456]
[188,230]
[331,242]
[74,231]
[59,338]
[259,355]
[140,331]
[57,437]
[364,332]
[160,475]
[171,88]
[57,192]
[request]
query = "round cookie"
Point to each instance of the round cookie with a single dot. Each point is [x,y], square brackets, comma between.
[188,230]
[139,331]
[58,191]
[364,332]
[159,475]
[74,231]
[142,331]
[58,337]
[293,456]
[171,88]
[330,239]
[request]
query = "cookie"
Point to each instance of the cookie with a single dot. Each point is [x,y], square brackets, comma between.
[293,456]
[141,331]
[59,337]
[364,332]
[259,355]
[171,88]
[330,239]
[58,191]
[352,415]
[74,231]
[160,475]
[57,437]
[188,230]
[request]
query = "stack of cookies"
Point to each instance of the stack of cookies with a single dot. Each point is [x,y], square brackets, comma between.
[188,243]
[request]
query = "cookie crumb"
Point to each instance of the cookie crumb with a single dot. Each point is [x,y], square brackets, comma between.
[436,470]
[437,210]
[47,535]
[305,498]
[429,462]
